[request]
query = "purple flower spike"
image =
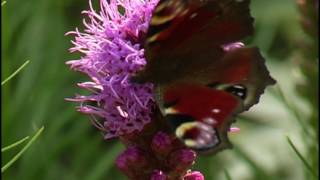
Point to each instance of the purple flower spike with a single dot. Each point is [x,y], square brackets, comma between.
[111,55]
[158,175]
[195,175]
[161,143]
[112,48]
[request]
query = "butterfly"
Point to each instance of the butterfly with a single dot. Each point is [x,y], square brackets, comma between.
[201,85]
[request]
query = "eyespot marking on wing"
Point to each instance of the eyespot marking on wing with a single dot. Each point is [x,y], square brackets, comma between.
[197,135]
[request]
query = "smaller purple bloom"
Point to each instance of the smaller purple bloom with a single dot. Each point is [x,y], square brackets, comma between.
[159,158]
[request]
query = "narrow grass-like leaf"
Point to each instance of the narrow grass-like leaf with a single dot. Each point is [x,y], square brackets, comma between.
[16,72]
[258,171]
[293,109]
[226,173]
[304,161]
[3,3]
[14,144]
[16,157]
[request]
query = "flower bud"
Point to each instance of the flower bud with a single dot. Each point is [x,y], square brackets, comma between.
[182,159]
[161,143]
[195,175]
[131,160]
[158,175]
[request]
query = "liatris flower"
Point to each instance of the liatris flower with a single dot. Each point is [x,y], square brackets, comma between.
[110,57]
[112,53]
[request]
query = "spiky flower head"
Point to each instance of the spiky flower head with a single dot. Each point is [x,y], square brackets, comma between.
[112,52]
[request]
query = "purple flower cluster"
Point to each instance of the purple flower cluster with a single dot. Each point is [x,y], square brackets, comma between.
[111,55]
[166,160]
[112,48]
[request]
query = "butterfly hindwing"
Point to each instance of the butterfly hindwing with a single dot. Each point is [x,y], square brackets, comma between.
[200,115]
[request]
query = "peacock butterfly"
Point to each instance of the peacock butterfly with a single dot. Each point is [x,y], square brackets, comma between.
[200,84]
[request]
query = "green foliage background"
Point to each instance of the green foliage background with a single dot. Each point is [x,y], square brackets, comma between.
[71,149]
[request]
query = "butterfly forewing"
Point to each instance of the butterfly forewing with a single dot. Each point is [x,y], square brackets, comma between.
[186,35]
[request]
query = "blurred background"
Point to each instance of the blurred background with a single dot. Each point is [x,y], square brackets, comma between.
[70,148]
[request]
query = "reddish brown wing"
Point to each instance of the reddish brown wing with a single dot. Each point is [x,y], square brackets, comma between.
[184,46]
[187,35]
[201,116]
[244,66]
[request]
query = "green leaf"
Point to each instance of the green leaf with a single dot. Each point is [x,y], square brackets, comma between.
[304,161]
[14,144]
[258,171]
[16,72]
[3,3]
[226,173]
[295,111]
[16,157]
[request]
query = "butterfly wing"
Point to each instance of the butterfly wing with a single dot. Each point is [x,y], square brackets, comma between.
[186,35]
[185,56]
[200,115]
[201,111]
[244,67]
